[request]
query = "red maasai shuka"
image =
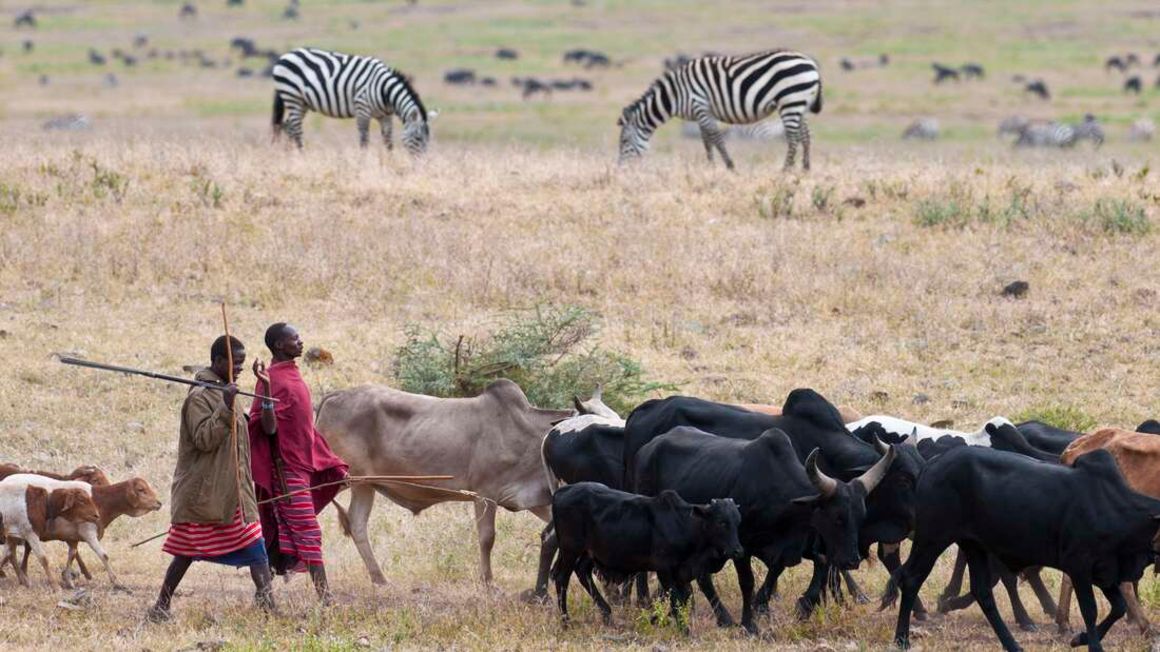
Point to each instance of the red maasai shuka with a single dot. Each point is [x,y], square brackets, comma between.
[207,540]
[306,459]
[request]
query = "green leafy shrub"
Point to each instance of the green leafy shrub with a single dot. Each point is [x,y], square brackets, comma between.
[547,351]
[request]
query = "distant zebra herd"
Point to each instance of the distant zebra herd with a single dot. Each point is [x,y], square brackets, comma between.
[707,92]
[733,90]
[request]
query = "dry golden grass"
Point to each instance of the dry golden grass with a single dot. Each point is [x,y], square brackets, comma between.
[117,244]
[118,250]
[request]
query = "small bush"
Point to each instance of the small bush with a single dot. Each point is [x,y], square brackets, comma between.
[936,212]
[1067,417]
[546,351]
[1118,216]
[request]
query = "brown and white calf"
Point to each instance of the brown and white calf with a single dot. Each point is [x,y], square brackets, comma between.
[25,514]
[132,497]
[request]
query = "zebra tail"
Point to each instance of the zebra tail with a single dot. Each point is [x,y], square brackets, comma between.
[279,110]
[816,107]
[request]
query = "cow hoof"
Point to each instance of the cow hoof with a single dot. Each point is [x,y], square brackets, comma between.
[725,620]
[532,596]
[1029,627]
[804,608]
[1079,639]
[750,628]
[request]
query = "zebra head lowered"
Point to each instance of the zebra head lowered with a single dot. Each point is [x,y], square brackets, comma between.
[635,132]
[417,131]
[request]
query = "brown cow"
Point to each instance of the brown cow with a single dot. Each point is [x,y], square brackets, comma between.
[1138,456]
[489,443]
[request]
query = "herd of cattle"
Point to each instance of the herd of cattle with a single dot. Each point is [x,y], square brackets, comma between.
[685,485]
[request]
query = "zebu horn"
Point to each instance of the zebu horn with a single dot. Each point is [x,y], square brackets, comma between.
[881,447]
[824,483]
[874,475]
[912,440]
[579,404]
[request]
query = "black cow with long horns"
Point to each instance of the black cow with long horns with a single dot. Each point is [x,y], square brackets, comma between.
[784,504]
[811,422]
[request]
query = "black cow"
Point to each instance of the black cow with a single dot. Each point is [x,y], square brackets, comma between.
[1047,437]
[620,534]
[507,53]
[1116,63]
[1085,521]
[1133,85]
[781,501]
[811,422]
[459,76]
[590,453]
[972,71]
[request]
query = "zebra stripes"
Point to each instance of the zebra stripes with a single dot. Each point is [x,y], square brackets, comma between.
[1058,134]
[346,86]
[734,90]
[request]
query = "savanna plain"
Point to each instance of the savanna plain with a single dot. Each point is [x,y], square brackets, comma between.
[875,278]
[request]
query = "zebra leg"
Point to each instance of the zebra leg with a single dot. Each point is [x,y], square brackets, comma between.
[805,136]
[364,125]
[792,136]
[385,129]
[293,124]
[708,143]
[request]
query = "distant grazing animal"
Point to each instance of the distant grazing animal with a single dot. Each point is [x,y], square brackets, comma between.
[1137,455]
[246,46]
[531,86]
[1089,129]
[25,19]
[1115,63]
[507,53]
[1132,59]
[1013,125]
[96,58]
[25,514]
[972,71]
[943,73]
[489,443]
[849,65]
[1038,88]
[922,129]
[846,64]
[291,12]
[1141,130]
[188,10]
[587,58]
[1133,85]
[459,76]
[347,86]
[111,80]
[28,46]
[234,3]
[1085,521]
[733,90]
[619,534]
[245,73]
[487,81]
[67,122]
[1046,134]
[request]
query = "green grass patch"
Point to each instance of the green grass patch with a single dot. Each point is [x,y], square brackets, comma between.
[1118,216]
[1068,417]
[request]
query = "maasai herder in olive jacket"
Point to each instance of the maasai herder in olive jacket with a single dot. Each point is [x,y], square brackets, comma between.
[205,487]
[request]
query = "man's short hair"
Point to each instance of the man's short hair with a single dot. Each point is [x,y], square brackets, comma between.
[218,348]
[273,333]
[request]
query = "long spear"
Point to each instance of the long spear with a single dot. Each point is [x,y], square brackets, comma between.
[150,374]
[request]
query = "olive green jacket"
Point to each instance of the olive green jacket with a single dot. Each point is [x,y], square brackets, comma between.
[205,484]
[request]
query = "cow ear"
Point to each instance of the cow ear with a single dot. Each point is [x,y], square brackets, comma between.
[70,500]
[807,500]
[670,497]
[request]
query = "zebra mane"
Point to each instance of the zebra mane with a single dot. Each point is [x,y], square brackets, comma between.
[411,91]
[648,91]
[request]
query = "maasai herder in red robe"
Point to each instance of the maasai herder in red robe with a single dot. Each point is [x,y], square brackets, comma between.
[289,455]
[213,511]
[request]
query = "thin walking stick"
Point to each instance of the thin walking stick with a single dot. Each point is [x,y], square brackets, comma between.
[233,413]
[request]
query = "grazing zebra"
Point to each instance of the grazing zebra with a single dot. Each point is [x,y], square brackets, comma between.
[733,90]
[1059,134]
[346,86]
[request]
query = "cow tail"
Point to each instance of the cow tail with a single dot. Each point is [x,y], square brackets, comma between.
[553,481]
[343,518]
[890,593]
